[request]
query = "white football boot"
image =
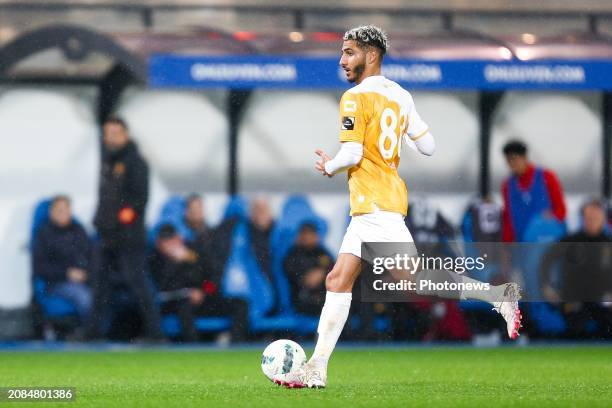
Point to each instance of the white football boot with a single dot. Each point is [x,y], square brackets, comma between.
[508,307]
[309,376]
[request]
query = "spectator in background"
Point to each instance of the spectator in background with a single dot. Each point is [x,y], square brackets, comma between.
[63,257]
[261,224]
[195,220]
[429,226]
[175,270]
[199,236]
[586,273]
[306,265]
[431,319]
[119,219]
[188,287]
[529,192]
[482,221]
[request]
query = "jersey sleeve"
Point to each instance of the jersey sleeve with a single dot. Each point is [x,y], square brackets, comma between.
[416,126]
[352,118]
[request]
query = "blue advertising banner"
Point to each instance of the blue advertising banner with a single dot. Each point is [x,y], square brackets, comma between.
[283,72]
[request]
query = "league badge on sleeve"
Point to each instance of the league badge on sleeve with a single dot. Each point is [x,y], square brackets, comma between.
[348,123]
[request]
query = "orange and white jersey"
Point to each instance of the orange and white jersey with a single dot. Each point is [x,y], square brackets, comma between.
[378,113]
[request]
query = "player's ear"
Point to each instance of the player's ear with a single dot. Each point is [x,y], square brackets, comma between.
[373,56]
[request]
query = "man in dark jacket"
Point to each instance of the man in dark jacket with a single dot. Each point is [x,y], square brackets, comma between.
[123,195]
[176,272]
[586,274]
[306,265]
[189,288]
[62,257]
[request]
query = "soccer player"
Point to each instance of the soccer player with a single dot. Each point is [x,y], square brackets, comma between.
[376,115]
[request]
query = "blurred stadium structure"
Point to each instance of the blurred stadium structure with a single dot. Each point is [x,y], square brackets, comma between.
[66,65]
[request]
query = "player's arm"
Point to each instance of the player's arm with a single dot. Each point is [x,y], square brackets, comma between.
[352,133]
[418,135]
[349,155]
[424,143]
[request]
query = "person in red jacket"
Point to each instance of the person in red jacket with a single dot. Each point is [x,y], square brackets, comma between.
[529,192]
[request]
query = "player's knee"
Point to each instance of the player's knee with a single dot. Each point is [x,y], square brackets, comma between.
[336,281]
[330,281]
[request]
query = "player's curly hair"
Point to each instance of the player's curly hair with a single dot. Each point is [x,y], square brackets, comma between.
[368,35]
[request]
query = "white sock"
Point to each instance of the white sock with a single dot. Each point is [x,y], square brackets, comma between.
[492,295]
[333,317]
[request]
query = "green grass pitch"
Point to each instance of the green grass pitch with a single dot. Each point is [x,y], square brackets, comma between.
[449,377]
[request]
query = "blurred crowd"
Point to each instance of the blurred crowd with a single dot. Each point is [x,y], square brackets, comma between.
[180,280]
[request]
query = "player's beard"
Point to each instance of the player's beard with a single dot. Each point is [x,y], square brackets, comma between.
[358,70]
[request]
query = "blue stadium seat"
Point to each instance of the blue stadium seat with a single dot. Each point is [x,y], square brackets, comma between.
[235,281]
[173,213]
[542,229]
[381,323]
[236,207]
[546,318]
[466,227]
[39,218]
[295,213]
[53,306]
[544,232]
[243,278]
[171,325]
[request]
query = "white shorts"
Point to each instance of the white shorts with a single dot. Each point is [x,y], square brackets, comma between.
[379,226]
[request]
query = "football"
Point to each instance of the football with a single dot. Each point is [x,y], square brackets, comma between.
[282,357]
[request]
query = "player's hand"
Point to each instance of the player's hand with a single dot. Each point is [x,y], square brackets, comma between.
[320,164]
[181,253]
[314,278]
[550,294]
[77,275]
[196,296]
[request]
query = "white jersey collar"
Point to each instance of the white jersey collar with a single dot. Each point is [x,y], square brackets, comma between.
[374,78]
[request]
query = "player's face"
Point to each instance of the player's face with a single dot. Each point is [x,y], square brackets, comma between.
[352,61]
